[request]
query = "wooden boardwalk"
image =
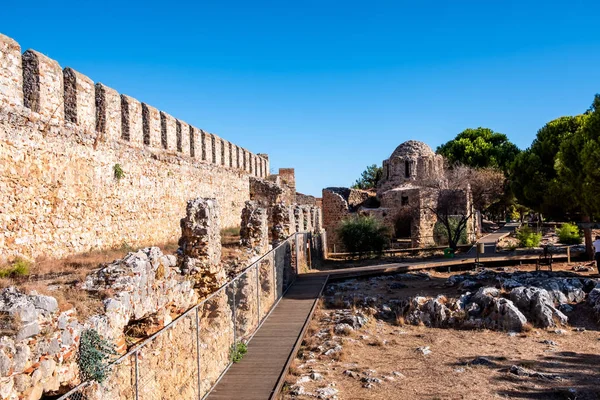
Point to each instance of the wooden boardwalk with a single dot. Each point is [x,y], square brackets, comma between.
[273,345]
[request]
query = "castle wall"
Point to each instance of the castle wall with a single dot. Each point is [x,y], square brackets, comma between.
[62,138]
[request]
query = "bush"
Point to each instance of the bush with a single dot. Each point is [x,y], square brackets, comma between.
[569,234]
[94,355]
[19,267]
[528,238]
[363,234]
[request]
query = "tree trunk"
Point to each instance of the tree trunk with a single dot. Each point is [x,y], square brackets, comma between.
[587,234]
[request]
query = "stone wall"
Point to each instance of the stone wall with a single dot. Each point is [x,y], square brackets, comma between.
[62,139]
[337,204]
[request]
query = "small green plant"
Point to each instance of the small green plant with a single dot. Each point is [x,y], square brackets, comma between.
[19,267]
[528,238]
[363,234]
[569,234]
[237,352]
[95,353]
[118,171]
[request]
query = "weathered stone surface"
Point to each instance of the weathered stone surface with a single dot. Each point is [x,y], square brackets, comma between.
[11,73]
[43,90]
[538,305]
[254,229]
[80,100]
[200,244]
[67,137]
[281,222]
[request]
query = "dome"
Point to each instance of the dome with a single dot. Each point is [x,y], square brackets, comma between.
[412,148]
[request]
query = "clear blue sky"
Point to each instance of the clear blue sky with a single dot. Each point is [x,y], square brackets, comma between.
[330,87]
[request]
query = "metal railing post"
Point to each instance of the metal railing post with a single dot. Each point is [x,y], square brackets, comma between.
[258,292]
[234,285]
[198,353]
[297,253]
[137,377]
[274,277]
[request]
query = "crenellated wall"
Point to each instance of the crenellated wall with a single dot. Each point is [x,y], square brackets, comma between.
[63,136]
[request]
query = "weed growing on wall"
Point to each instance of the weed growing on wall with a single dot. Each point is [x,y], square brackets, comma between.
[94,355]
[118,171]
[237,352]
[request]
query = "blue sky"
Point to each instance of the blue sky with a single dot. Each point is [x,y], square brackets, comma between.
[330,87]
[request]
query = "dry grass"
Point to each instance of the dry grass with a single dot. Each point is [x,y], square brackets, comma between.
[62,278]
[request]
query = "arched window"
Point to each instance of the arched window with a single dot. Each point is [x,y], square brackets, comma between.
[406,169]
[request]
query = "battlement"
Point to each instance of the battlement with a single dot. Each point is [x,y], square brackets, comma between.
[65,96]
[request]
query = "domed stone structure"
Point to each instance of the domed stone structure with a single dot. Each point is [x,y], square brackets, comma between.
[412,163]
[407,195]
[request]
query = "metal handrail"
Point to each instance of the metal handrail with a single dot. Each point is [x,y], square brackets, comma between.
[139,346]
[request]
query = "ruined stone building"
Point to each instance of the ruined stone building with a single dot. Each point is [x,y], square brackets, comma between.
[413,179]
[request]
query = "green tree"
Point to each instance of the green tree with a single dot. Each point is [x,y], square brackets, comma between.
[369,178]
[480,148]
[577,166]
[533,176]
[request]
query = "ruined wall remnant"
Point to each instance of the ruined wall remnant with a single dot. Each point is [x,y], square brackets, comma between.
[254,229]
[61,136]
[282,223]
[200,244]
[38,349]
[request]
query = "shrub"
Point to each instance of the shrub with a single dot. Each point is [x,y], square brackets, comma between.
[19,267]
[440,232]
[363,234]
[569,234]
[94,355]
[528,238]
[237,352]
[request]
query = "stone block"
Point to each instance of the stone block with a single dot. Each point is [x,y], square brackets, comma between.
[226,153]
[183,138]
[245,160]
[80,99]
[151,124]
[206,142]
[108,112]
[11,73]
[168,129]
[132,121]
[43,89]
[237,162]
[195,143]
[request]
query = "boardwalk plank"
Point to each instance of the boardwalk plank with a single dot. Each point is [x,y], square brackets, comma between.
[269,350]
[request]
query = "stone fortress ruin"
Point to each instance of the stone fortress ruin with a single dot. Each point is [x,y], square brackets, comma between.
[85,168]
[413,180]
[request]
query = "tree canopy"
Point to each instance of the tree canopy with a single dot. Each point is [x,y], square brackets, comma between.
[480,148]
[534,178]
[369,178]
[577,162]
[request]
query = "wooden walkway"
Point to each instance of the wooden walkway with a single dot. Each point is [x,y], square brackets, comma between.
[273,345]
